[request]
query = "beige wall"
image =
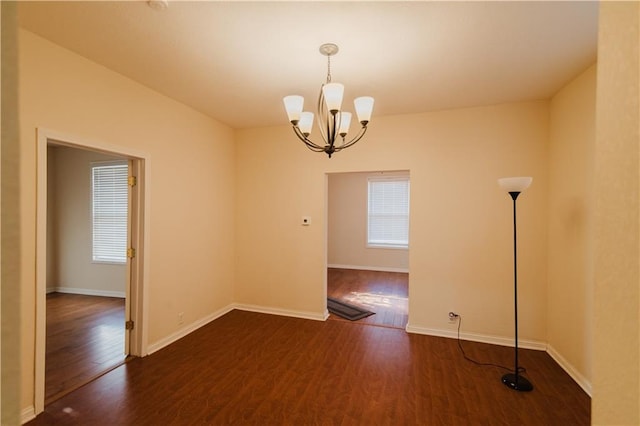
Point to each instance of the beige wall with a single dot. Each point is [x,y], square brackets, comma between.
[347,226]
[191,183]
[69,264]
[571,232]
[460,231]
[616,369]
[448,156]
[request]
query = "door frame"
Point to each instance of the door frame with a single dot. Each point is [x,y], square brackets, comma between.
[327,229]
[137,268]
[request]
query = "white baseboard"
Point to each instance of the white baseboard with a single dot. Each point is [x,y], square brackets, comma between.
[86,292]
[27,414]
[188,329]
[283,312]
[369,268]
[570,369]
[481,338]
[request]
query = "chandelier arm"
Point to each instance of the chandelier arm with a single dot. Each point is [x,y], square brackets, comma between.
[309,143]
[314,149]
[353,141]
[312,146]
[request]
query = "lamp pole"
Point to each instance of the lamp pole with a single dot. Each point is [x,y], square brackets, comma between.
[514,380]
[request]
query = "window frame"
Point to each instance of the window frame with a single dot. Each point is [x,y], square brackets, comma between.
[389,245]
[103,258]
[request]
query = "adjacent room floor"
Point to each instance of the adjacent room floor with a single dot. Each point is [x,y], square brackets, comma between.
[85,338]
[385,293]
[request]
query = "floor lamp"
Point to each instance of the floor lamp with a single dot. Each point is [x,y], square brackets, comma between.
[514,186]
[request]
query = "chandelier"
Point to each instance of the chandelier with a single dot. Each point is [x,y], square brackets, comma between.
[332,121]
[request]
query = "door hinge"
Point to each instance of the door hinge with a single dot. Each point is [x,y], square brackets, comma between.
[131,253]
[132,181]
[128,325]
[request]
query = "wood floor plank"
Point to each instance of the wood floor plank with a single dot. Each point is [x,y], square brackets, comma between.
[255,369]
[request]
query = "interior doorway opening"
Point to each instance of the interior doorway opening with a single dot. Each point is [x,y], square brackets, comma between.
[87,214]
[367,270]
[89,311]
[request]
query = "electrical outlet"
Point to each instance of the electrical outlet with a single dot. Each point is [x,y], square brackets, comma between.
[453,317]
[181,318]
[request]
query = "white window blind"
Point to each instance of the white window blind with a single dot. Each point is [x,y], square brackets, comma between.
[388,212]
[109,212]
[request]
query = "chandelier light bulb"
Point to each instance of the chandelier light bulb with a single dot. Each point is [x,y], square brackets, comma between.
[293,104]
[333,93]
[306,123]
[364,108]
[344,121]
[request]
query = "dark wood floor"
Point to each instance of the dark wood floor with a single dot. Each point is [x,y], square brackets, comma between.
[385,293]
[251,368]
[85,338]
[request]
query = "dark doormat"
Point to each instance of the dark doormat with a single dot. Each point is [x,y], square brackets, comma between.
[345,310]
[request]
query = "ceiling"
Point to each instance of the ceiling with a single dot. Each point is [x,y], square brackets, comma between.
[235,60]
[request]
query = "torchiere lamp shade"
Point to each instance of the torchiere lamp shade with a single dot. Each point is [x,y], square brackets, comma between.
[515,184]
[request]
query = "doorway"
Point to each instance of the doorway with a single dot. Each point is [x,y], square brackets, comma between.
[364,270]
[87,211]
[79,298]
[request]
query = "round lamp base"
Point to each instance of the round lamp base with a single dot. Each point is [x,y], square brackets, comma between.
[518,382]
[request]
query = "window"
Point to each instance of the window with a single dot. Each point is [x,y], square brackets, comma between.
[109,188]
[388,212]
